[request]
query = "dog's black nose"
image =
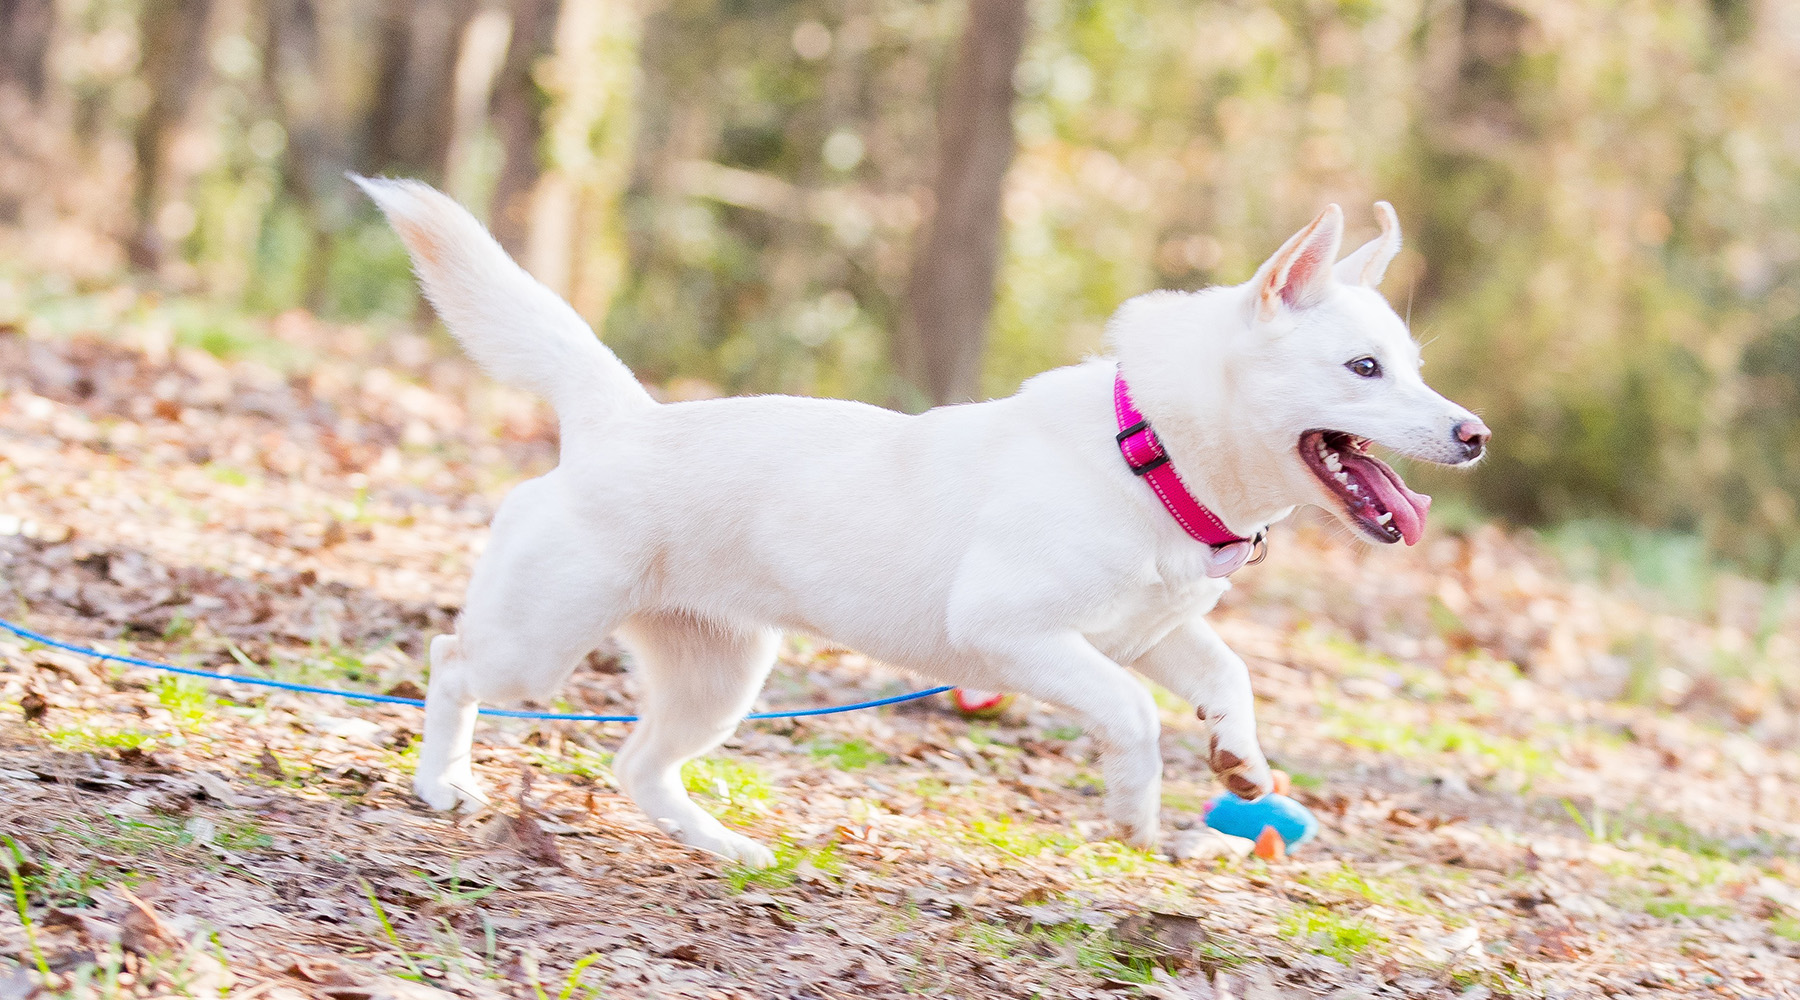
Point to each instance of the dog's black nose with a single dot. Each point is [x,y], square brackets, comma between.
[1472,436]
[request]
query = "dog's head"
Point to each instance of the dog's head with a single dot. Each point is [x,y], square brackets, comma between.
[1288,379]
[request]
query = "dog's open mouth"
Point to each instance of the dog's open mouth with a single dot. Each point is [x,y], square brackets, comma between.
[1374,495]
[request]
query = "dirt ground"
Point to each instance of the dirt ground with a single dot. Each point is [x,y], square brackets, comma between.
[1530,784]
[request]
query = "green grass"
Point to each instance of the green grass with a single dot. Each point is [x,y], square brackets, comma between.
[119,835]
[1368,728]
[1019,840]
[988,738]
[1784,925]
[14,859]
[1099,952]
[932,790]
[1354,659]
[1676,871]
[448,891]
[848,755]
[1666,908]
[346,664]
[1109,858]
[789,859]
[109,849]
[1328,933]
[738,788]
[242,836]
[578,761]
[187,700]
[1673,833]
[227,475]
[1348,881]
[1300,779]
[1705,854]
[1183,801]
[85,740]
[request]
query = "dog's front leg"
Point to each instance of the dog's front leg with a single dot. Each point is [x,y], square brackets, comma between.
[1195,664]
[1067,671]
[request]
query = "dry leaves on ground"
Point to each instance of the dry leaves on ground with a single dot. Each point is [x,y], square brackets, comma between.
[1530,785]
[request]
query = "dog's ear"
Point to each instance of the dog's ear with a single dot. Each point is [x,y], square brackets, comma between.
[1370,261]
[1300,272]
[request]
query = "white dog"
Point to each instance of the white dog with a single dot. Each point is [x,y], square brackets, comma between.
[1005,545]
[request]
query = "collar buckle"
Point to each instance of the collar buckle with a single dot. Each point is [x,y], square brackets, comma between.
[1159,457]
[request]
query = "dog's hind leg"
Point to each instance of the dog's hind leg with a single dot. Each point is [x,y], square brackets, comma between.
[543,596]
[444,778]
[699,680]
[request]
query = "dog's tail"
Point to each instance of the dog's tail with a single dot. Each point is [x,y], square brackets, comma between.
[518,330]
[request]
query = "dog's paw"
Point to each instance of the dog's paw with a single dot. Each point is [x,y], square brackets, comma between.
[1241,767]
[1135,819]
[744,851]
[444,794]
[1142,835]
[717,840]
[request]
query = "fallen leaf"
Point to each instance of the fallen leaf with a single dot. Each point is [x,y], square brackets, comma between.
[269,766]
[142,931]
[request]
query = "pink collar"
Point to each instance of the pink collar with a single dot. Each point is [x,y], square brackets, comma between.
[1145,456]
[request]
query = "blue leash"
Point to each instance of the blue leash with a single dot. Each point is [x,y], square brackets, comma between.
[509,713]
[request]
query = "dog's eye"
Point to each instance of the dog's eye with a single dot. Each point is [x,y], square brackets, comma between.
[1365,366]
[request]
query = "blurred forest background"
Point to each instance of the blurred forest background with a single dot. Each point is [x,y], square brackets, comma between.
[1601,197]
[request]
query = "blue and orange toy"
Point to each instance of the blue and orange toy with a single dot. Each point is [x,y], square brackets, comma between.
[1276,822]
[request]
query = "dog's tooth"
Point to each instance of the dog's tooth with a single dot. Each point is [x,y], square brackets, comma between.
[1332,463]
[1385,518]
[1343,477]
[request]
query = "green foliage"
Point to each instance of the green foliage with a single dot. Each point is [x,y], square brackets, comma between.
[1100,952]
[187,699]
[791,861]
[241,836]
[1020,840]
[1400,894]
[850,755]
[227,475]
[1368,728]
[1666,908]
[1599,200]
[594,765]
[84,739]
[413,971]
[1327,932]
[369,274]
[113,848]
[1677,567]
[14,860]
[739,787]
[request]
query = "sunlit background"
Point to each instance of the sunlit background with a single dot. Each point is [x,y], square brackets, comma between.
[1600,199]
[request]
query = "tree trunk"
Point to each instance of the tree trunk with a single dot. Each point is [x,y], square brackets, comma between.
[173,36]
[25,27]
[411,125]
[518,110]
[320,138]
[944,332]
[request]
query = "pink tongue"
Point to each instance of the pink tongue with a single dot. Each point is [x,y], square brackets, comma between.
[1407,507]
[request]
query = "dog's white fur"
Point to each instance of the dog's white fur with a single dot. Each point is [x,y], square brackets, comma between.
[1000,545]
